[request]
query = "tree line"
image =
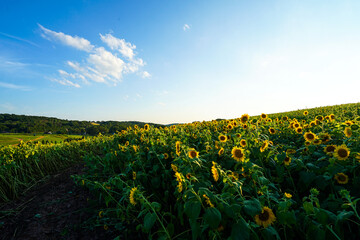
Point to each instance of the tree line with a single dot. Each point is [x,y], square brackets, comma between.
[12,123]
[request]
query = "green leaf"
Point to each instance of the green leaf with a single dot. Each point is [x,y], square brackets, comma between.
[212,217]
[286,217]
[195,228]
[170,228]
[192,209]
[232,210]
[252,207]
[240,230]
[156,206]
[270,233]
[308,207]
[344,215]
[149,221]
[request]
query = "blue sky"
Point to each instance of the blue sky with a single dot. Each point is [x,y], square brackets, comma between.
[176,61]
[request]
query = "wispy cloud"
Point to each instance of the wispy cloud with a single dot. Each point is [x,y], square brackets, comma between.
[65,82]
[186,27]
[7,107]
[125,48]
[76,42]
[19,39]
[99,65]
[145,74]
[13,86]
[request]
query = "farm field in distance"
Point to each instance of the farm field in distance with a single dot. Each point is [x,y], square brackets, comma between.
[292,175]
[16,138]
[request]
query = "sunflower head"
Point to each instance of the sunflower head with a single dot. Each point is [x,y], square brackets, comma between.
[265,218]
[238,154]
[309,136]
[287,160]
[320,118]
[317,142]
[332,116]
[244,118]
[221,151]
[264,146]
[298,130]
[341,178]
[243,143]
[341,152]
[272,131]
[263,116]
[146,127]
[285,118]
[305,113]
[223,138]
[287,195]
[347,132]
[193,153]
[329,149]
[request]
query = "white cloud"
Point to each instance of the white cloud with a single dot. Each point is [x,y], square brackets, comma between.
[145,74]
[99,65]
[66,82]
[186,27]
[7,106]
[76,42]
[13,86]
[125,48]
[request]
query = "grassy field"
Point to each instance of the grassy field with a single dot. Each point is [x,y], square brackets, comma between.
[15,138]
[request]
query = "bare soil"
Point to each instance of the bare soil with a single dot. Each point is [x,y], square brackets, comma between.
[56,209]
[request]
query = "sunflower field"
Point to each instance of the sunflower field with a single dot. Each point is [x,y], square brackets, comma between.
[293,175]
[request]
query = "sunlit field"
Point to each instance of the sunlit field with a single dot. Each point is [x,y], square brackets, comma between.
[291,175]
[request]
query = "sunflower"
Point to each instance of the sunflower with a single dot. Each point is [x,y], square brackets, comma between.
[238,154]
[265,218]
[285,118]
[349,123]
[221,151]
[193,153]
[214,172]
[305,113]
[341,152]
[178,147]
[263,116]
[146,127]
[223,138]
[325,137]
[272,131]
[341,178]
[245,126]
[298,130]
[238,135]
[320,118]
[312,124]
[264,146]
[207,200]
[134,175]
[329,149]
[132,196]
[166,156]
[229,126]
[244,118]
[309,136]
[287,195]
[332,117]
[287,161]
[296,125]
[317,142]
[290,151]
[179,179]
[347,132]
[243,143]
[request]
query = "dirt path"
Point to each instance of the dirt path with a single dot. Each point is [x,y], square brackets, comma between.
[54,210]
[35,139]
